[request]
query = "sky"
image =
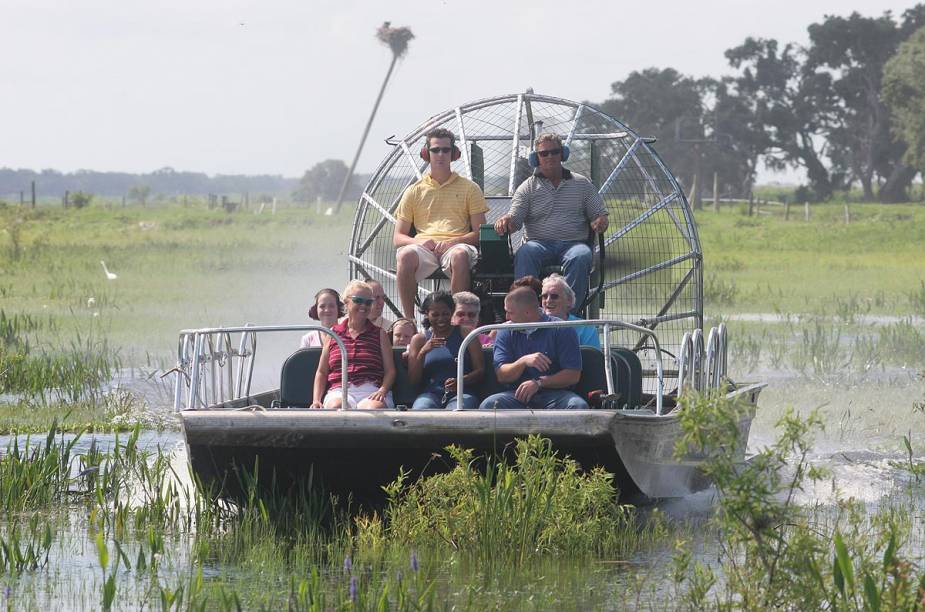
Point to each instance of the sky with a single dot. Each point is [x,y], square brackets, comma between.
[275,86]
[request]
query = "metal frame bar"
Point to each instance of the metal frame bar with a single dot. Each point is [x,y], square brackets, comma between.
[571,132]
[605,323]
[200,336]
[414,164]
[464,146]
[369,199]
[639,273]
[379,225]
[640,219]
[515,144]
[619,167]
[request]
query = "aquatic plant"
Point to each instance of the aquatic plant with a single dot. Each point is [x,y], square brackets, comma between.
[23,551]
[773,555]
[505,512]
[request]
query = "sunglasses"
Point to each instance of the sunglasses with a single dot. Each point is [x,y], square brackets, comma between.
[361,301]
[440,149]
[549,152]
[550,296]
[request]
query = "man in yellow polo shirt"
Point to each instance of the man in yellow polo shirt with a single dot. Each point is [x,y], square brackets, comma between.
[446,210]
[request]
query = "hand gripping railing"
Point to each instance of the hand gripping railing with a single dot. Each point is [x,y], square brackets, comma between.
[700,370]
[605,323]
[212,346]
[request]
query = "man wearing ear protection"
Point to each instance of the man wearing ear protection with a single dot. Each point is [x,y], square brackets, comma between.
[555,207]
[446,210]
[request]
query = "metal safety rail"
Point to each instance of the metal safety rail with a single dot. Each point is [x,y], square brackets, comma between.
[606,324]
[702,369]
[216,372]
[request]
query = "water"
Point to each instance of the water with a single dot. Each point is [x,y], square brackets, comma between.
[866,413]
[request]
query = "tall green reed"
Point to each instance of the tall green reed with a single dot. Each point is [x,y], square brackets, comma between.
[507,512]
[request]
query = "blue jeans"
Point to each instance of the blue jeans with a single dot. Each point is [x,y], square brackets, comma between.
[574,256]
[432,401]
[552,399]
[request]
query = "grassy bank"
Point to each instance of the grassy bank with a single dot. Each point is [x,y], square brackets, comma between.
[764,263]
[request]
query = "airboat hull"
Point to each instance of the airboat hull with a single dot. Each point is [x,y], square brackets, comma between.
[355,453]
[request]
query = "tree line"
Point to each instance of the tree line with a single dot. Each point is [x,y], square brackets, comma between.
[165,181]
[848,109]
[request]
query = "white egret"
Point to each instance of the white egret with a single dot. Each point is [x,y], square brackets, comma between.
[109,275]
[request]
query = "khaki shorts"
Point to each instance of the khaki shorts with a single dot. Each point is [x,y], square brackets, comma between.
[428,263]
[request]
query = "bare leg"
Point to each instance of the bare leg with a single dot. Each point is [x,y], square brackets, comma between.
[460,273]
[368,404]
[407,266]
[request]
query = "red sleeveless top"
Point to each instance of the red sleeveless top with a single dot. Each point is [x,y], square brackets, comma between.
[364,356]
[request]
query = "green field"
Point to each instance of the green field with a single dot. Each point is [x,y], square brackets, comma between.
[190,266]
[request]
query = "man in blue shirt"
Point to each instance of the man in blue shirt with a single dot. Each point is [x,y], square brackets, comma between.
[540,365]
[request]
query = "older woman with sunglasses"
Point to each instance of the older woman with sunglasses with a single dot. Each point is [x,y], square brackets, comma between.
[370,366]
[432,357]
[558,300]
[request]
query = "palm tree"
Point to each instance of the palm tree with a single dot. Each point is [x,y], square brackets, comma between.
[397,40]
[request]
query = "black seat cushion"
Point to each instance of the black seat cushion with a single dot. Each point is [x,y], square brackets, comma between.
[627,375]
[297,378]
[593,374]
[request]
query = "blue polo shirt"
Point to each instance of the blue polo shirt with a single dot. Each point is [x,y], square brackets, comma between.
[560,344]
[587,334]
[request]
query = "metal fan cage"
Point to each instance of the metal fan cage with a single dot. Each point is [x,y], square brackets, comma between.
[652,270]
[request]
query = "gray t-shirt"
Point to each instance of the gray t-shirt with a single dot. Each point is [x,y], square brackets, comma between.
[556,213]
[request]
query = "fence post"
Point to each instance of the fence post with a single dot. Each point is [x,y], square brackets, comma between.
[806,211]
[847,214]
[716,192]
[694,197]
[751,204]
[33,194]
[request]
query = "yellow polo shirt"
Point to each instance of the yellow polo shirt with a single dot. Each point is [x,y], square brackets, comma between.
[440,212]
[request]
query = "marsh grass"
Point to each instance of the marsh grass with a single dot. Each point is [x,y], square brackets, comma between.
[775,554]
[161,540]
[507,512]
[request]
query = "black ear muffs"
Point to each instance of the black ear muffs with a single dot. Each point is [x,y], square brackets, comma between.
[425,153]
[534,160]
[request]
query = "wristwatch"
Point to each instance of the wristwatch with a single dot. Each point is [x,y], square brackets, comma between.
[539,383]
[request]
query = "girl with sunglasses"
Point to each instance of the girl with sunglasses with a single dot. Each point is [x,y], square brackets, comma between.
[326,309]
[432,357]
[370,366]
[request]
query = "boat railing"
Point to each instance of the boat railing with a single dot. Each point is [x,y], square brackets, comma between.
[698,368]
[605,324]
[218,370]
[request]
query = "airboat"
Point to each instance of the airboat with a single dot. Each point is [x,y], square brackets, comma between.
[645,297]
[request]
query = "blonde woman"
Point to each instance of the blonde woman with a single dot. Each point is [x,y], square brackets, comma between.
[370,367]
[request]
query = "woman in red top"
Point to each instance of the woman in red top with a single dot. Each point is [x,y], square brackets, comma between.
[370,366]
